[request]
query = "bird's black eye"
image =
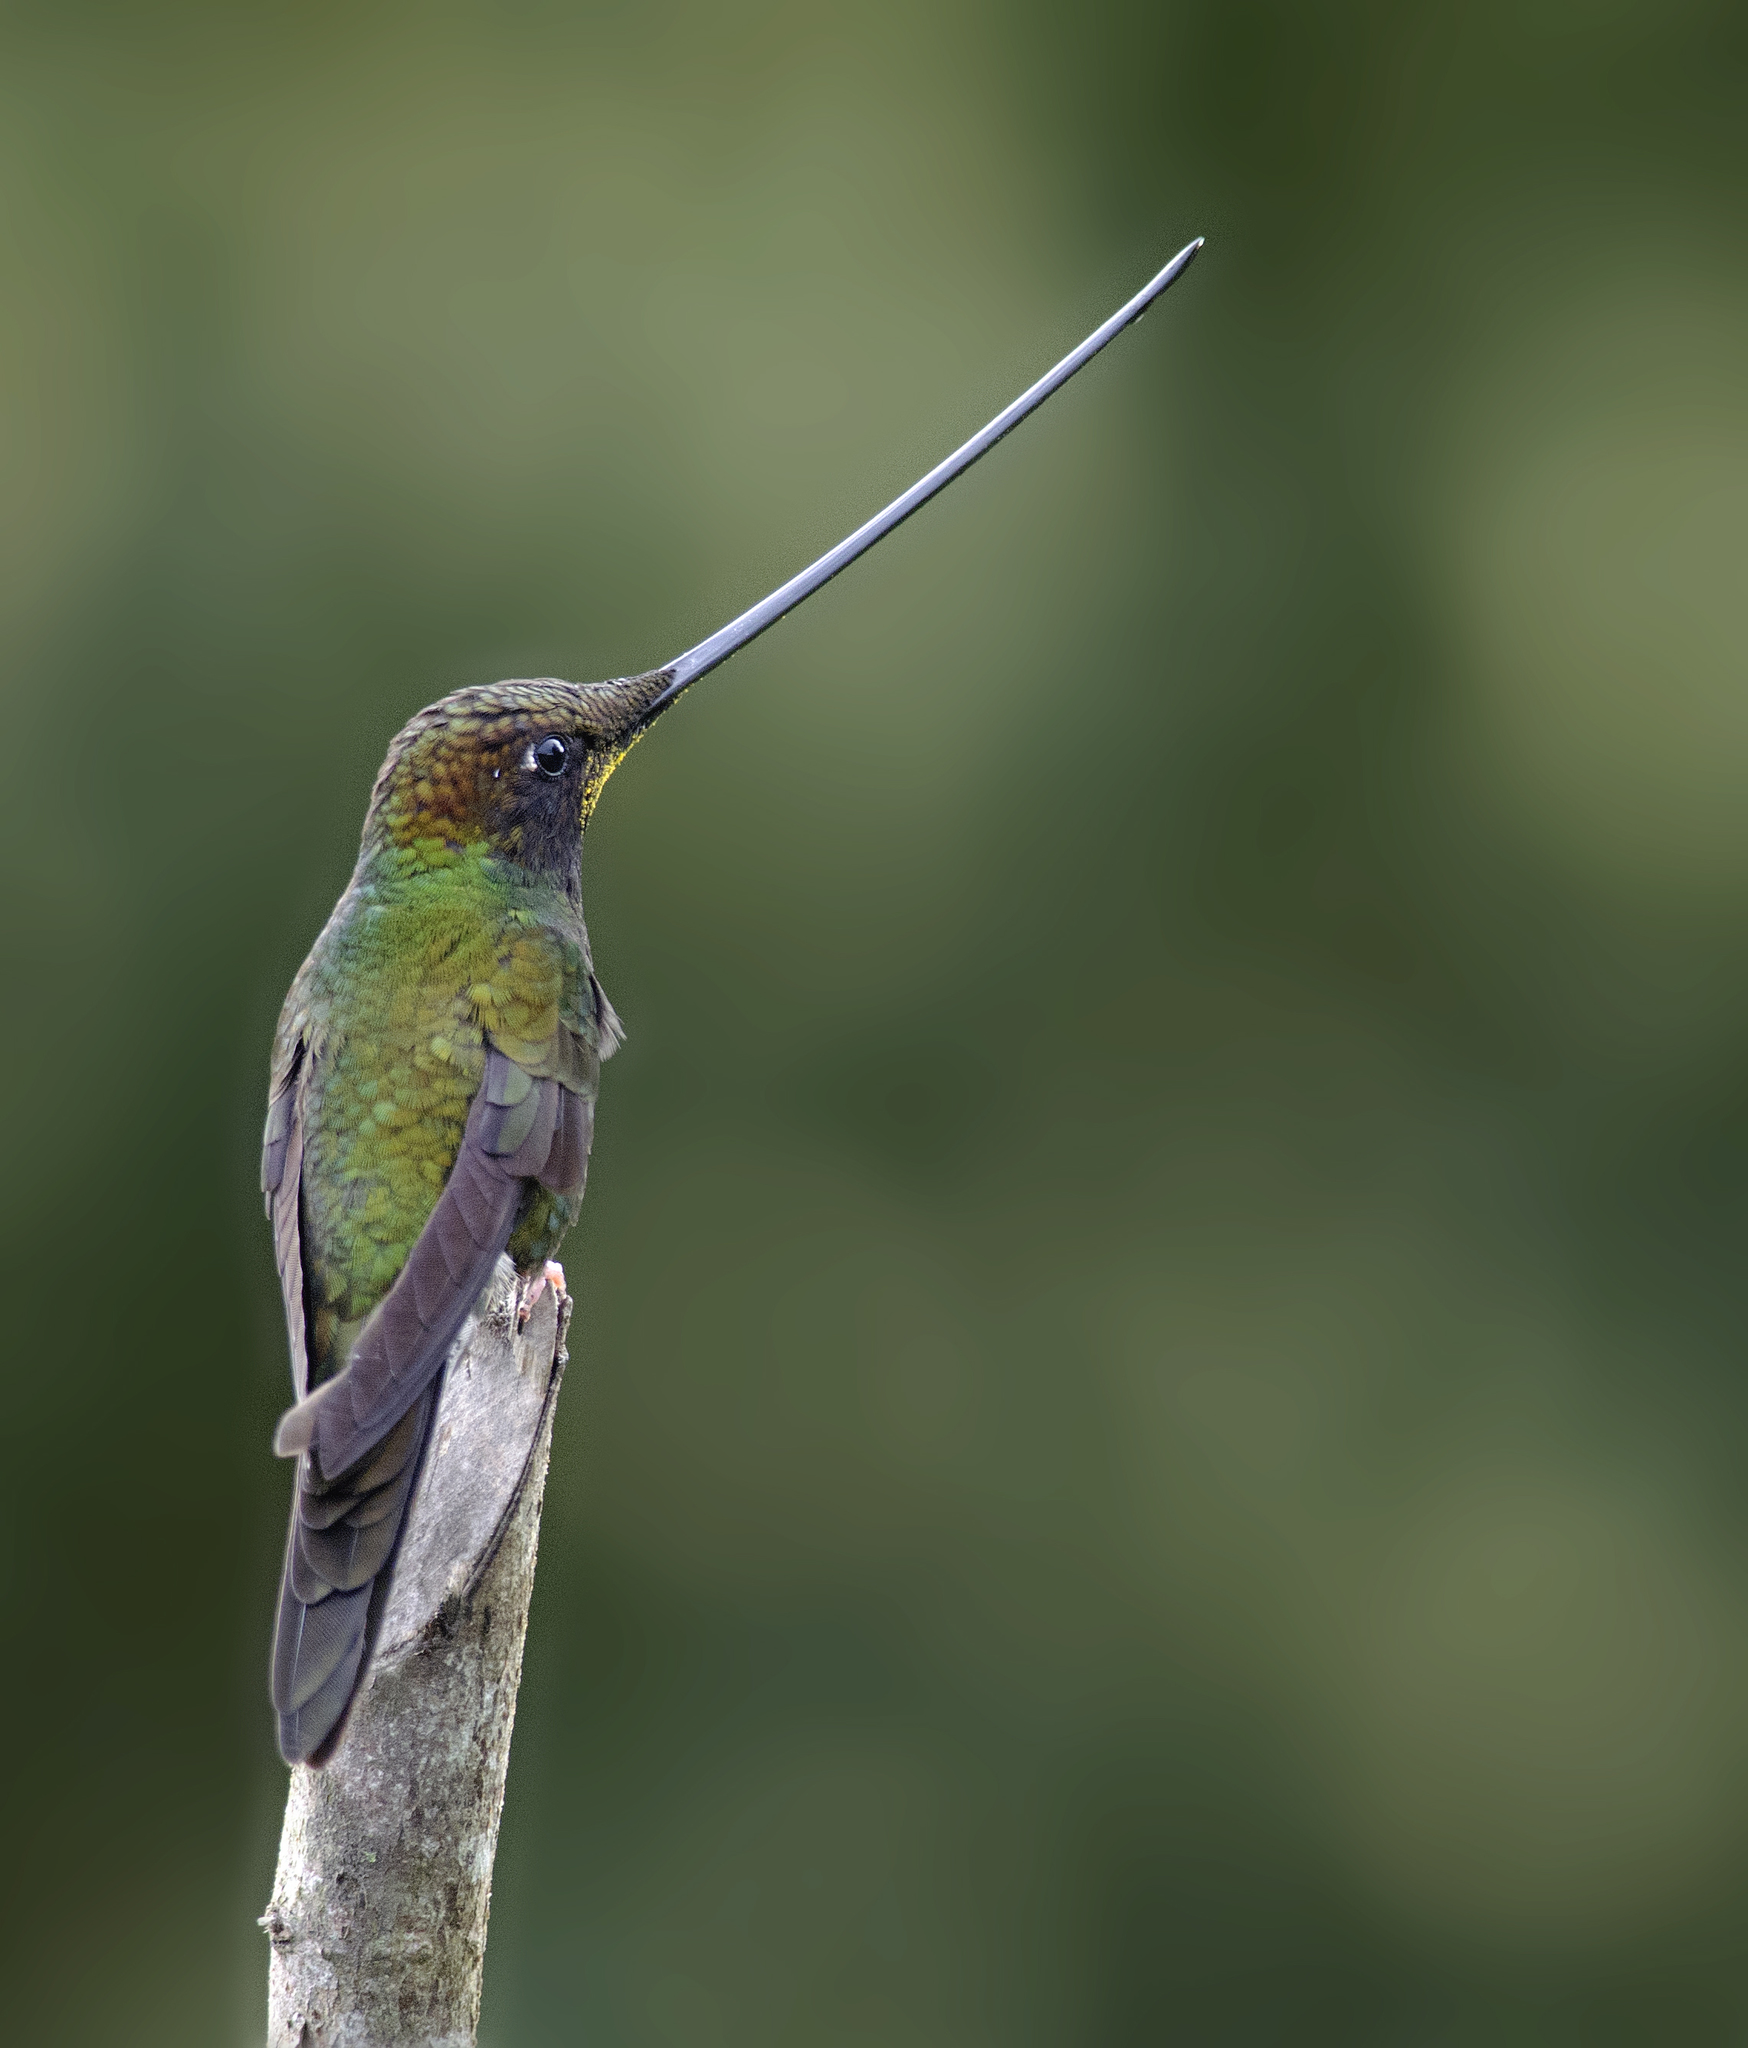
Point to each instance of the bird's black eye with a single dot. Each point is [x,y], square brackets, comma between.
[551,755]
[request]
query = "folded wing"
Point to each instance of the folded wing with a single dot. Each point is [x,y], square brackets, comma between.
[360,1436]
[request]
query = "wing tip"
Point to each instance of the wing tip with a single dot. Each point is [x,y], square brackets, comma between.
[295,1430]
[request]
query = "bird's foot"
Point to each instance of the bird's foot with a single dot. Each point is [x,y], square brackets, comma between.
[551,1275]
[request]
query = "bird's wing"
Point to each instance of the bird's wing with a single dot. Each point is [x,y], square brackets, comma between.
[281,1177]
[573,1032]
[334,1590]
[362,1434]
[520,1129]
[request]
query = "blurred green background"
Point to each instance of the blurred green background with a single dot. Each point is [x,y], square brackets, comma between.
[1158,1442]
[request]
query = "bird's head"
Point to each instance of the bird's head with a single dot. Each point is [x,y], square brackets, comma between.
[513,767]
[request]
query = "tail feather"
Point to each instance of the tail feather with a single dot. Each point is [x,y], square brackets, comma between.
[351,1553]
[310,1733]
[339,1560]
[315,1637]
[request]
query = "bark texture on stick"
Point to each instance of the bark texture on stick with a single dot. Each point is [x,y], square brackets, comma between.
[377,1924]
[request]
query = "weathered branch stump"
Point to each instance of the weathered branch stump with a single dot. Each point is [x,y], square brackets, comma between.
[377,1924]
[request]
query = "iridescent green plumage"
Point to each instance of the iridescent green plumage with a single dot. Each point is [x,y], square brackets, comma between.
[418,968]
[447,1013]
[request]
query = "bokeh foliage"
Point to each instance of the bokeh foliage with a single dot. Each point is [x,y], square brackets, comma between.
[1159,1444]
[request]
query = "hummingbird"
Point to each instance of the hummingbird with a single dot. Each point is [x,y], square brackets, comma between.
[432,1089]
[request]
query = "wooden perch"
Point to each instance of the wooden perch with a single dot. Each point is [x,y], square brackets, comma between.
[377,1923]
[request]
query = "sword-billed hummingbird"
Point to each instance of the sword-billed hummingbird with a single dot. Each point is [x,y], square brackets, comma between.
[433,1086]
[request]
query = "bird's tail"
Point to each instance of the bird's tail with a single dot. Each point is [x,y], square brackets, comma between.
[339,1558]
